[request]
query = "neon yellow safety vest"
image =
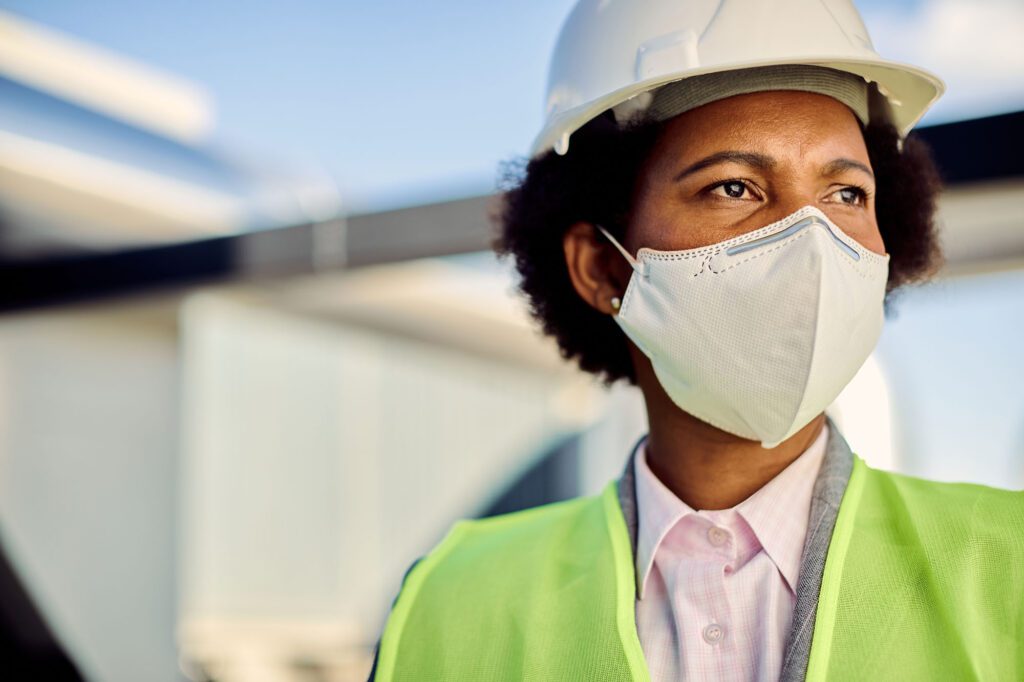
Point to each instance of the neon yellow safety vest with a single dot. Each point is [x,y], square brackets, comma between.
[922,581]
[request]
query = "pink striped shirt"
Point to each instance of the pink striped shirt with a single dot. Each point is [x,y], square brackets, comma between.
[717,588]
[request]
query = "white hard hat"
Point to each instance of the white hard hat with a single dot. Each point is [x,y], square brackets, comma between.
[613,53]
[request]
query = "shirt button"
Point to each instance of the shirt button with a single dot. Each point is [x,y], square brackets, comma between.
[717,536]
[713,633]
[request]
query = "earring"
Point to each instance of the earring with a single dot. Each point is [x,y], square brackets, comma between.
[616,302]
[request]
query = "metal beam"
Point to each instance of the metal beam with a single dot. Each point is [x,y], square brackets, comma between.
[982,212]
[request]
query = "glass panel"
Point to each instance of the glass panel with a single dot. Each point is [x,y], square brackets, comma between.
[954,360]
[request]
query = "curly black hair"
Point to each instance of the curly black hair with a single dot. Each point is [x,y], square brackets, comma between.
[595,181]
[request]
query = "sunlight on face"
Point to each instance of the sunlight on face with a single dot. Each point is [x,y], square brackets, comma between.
[744,162]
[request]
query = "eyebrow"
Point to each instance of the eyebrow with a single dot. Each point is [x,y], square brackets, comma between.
[758,161]
[763,162]
[840,165]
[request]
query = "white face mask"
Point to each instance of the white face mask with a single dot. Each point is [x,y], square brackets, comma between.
[758,334]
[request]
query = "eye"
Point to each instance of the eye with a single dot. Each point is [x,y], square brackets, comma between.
[852,196]
[733,189]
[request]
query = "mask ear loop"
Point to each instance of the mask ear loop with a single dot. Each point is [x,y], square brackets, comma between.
[637,266]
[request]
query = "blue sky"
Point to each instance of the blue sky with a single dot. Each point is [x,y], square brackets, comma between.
[406,102]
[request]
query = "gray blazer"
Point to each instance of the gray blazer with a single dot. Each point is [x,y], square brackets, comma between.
[828,493]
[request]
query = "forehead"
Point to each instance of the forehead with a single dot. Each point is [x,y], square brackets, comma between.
[783,123]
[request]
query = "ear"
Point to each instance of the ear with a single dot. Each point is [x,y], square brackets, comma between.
[598,272]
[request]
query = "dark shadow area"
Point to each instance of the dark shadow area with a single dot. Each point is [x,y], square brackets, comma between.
[28,650]
[554,477]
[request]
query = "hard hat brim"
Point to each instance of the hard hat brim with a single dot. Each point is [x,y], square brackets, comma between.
[909,90]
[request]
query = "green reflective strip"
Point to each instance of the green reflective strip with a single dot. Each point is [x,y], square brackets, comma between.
[406,598]
[625,585]
[828,597]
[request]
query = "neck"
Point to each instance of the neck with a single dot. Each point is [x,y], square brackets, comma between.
[708,468]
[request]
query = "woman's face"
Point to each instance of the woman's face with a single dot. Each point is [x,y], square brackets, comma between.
[741,163]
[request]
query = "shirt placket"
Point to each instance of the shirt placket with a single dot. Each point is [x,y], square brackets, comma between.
[702,612]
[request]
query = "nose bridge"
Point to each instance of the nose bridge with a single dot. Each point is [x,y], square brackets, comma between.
[791,188]
[792,195]
[781,211]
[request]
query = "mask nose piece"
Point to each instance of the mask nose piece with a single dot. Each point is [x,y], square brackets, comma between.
[806,223]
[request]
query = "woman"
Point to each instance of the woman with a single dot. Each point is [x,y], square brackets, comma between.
[717,207]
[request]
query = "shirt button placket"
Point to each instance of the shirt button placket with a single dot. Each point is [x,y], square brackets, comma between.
[717,537]
[713,633]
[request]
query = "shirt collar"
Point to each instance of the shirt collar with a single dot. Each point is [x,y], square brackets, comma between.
[777,513]
[658,510]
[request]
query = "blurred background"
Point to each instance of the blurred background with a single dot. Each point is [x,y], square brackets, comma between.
[255,355]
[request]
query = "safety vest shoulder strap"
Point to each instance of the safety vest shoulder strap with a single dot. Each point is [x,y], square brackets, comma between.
[923,580]
[547,593]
